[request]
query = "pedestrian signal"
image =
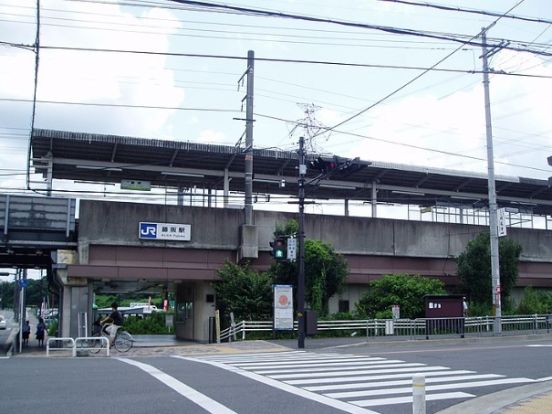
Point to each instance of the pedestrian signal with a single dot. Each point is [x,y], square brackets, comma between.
[279,248]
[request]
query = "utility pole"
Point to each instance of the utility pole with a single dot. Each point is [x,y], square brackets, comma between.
[249,139]
[301,243]
[493,221]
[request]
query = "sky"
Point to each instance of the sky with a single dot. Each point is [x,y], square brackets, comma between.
[436,120]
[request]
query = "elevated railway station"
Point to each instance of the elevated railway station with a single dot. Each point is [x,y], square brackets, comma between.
[113,250]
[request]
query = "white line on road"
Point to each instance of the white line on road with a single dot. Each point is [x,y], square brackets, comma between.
[426,372]
[340,405]
[539,346]
[377,384]
[404,400]
[312,363]
[198,398]
[367,365]
[405,390]
[411,367]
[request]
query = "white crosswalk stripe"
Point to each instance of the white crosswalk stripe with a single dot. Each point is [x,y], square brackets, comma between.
[356,381]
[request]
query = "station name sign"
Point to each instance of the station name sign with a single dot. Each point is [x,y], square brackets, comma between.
[164,231]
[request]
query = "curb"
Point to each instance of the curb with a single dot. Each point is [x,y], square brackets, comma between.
[491,403]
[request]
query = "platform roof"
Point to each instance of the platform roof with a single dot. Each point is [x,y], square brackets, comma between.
[172,163]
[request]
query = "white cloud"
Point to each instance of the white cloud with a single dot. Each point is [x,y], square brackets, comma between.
[210,136]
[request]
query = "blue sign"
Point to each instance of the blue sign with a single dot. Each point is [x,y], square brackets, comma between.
[148,230]
[23,283]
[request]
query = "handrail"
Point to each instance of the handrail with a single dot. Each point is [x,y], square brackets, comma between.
[71,340]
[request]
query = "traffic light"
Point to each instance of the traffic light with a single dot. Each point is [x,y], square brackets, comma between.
[279,248]
[323,165]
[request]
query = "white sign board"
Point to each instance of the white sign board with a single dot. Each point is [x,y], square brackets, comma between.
[164,231]
[501,216]
[283,307]
[292,249]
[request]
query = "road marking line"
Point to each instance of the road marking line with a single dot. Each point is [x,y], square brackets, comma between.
[544,379]
[198,398]
[379,384]
[539,346]
[340,405]
[405,390]
[426,373]
[383,364]
[312,363]
[411,367]
[403,400]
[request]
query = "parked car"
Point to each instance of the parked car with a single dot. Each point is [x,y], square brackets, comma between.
[3,323]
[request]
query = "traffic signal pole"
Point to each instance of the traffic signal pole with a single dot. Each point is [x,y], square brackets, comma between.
[301,243]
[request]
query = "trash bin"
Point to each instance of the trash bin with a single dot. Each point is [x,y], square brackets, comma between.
[311,322]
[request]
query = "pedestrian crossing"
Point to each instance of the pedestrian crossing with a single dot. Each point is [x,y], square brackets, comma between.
[356,382]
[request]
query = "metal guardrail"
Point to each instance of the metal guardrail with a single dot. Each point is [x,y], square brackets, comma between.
[410,328]
[61,341]
[84,342]
[87,340]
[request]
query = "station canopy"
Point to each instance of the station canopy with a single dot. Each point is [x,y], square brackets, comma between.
[183,164]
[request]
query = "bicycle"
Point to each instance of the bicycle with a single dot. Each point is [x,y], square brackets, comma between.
[123,341]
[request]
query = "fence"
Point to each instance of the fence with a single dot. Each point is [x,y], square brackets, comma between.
[409,328]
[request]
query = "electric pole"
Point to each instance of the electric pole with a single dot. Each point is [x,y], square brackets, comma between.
[493,221]
[249,140]
[301,243]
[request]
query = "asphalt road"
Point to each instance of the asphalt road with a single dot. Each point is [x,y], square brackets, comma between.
[289,382]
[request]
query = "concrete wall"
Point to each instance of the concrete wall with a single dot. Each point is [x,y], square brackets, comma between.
[112,223]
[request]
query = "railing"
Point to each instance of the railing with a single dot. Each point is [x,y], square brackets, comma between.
[81,343]
[91,343]
[60,345]
[409,328]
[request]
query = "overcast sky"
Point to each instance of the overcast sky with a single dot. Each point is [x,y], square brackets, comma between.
[435,121]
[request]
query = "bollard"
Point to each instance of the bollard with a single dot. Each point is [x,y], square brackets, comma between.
[418,394]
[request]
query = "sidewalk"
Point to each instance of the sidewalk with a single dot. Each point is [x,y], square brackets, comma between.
[527,399]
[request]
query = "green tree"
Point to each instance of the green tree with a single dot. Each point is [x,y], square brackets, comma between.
[405,290]
[35,291]
[325,270]
[535,301]
[474,268]
[244,291]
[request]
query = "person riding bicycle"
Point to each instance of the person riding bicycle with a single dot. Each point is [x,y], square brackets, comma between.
[112,322]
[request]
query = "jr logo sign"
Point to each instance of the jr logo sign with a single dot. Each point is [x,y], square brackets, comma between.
[164,231]
[148,230]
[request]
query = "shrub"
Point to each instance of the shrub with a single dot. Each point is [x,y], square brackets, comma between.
[149,324]
[535,301]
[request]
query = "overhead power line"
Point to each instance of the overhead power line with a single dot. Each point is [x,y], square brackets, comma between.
[413,146]
[281,60]
[415,78]
[472,11]
[176,108]
[388,29]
